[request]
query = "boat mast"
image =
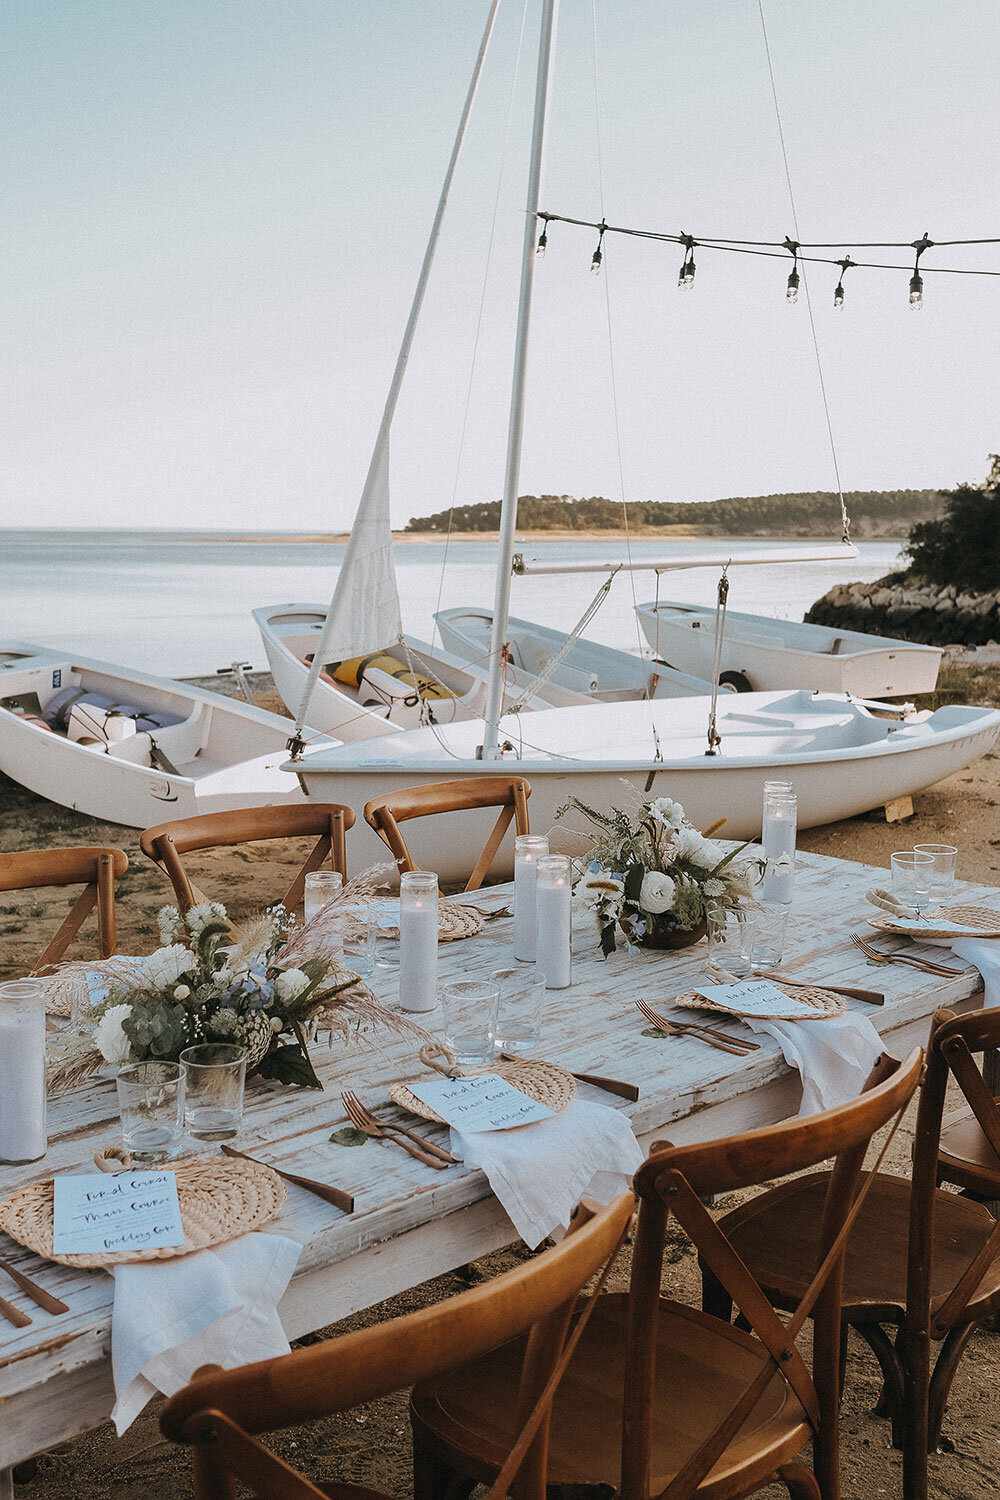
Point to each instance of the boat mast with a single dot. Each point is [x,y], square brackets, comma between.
[515,430]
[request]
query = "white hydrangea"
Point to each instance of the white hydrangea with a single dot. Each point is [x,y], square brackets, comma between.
[709,854]
[168,919]
[112,1043]
[668,812]
[290,983]
[715,887]
[162,969]
[656,894]
[199,917]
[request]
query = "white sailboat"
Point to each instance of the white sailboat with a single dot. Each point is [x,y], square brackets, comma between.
[842,755]
[759,653]
[131,748]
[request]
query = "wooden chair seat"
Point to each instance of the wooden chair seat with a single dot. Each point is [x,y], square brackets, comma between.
[777,1235]
[702,1367]
[967,1158]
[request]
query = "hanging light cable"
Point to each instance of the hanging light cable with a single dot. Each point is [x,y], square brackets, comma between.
[916,280]
[792,285]
[838,291]
[597,257]
[686,277]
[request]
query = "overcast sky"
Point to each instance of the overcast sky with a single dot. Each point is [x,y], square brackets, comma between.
[216,210]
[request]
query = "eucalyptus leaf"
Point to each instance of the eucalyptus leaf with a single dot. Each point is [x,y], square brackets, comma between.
[348,1136]
[289,1065]
[655,1031]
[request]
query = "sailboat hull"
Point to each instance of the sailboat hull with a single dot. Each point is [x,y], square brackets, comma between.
[842,760]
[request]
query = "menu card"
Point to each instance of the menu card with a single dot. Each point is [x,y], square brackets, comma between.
[95,1213]
[758,997]
[485,1102]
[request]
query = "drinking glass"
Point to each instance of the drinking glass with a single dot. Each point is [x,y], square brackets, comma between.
[322,887]
[911,878]
[725,926]
[359,935]
[942,879]
[519,1013]
[469,1012]
[213,1076]
[764,935]
[149,1107]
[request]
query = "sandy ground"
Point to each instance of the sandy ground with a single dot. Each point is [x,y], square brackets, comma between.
[371,1446]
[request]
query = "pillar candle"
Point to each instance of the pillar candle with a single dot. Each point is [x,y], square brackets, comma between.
[23,1135]
[780,821]
[554,910]
[528,849]
[418,940]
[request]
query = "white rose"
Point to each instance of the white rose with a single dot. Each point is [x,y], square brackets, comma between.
[164,967]
[709,854]
[665,810]
[112,1043]
[290,983]
[688,844]
[656,894]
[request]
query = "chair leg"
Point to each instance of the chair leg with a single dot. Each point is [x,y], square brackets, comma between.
[915,1352]
[944,1373]
[715,1300]
[890,1401]
[800,1482]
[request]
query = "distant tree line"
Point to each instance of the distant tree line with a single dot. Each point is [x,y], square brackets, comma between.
[809,513]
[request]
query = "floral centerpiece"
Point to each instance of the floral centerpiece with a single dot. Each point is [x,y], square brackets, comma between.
[654,877]
[265,987]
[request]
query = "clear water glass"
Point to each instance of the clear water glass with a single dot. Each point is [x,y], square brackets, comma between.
[385,932]
[149,1106]
[359,936]
[213,1077]
[725,931]
[322,887]
[469,1017]
[911,879]
[942,875]
[764,936]
[519,1012]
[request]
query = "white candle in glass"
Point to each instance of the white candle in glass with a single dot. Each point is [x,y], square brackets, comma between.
[554,912]
[23,1134]
[528,849]
[780,824]
[418,940]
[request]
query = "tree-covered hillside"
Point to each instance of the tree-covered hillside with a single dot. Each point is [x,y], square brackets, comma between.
[873,513]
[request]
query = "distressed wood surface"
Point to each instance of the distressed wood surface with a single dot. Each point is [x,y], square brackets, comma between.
[412,1223]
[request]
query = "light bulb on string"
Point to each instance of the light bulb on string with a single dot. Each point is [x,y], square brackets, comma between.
[838,291]
[686,276]
[792,285]
[597,257]
[916,280]
[543,238]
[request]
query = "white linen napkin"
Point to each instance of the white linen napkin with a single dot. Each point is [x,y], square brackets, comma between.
[834,1056]
[216,1307]
[985,954]
[540,1172]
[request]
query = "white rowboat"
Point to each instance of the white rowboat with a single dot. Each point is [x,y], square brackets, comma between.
[130,748]
[759,654]
[842,757]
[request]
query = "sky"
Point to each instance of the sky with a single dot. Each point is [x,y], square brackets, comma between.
[216,211]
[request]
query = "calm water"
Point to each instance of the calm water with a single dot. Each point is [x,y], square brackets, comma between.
[179,603]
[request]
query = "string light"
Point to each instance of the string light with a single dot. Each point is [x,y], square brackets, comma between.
[792,287]
[543,238]
[597,257]
[916,280]
[838,291]
[686,277]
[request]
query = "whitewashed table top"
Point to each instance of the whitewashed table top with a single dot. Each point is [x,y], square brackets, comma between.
[592,1027]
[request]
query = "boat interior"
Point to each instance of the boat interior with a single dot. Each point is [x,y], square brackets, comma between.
[131,721]
[588,668]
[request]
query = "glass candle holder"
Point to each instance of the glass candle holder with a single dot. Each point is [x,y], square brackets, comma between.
[418,940]
[213,1077]
[942,875]
[528,849]
[775,791]
[23,1128]
[778,839]
[322,887]
[554,911]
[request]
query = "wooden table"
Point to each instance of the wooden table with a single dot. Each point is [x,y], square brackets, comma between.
[412,1223]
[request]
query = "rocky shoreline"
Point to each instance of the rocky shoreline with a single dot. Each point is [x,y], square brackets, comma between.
[912,609]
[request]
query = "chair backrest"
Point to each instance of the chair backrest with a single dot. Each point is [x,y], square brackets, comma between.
[509,793]
[96,869]
[674,1180]
[951,1053]
[327,821]
[219,1410]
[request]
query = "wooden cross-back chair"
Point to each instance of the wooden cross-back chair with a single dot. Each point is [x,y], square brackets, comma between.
[661,1399]
[509,793]
[327,822]
[219,1412]
[97,870]
[922,1261]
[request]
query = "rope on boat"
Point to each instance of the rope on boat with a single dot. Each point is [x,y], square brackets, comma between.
[722,599]
[557,657]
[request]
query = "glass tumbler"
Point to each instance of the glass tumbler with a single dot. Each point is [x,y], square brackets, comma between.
[148,1104]
[213,1077]
[469,1016]
[519,1011]
[359,927]
[322,887]
[942,875]
[725,931]
[911,879]
[764,936]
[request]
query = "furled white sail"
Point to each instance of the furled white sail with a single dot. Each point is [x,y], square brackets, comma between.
[364,611]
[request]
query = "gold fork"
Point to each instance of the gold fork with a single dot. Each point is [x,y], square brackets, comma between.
[718,1039]
[362,1119]
[877,956]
